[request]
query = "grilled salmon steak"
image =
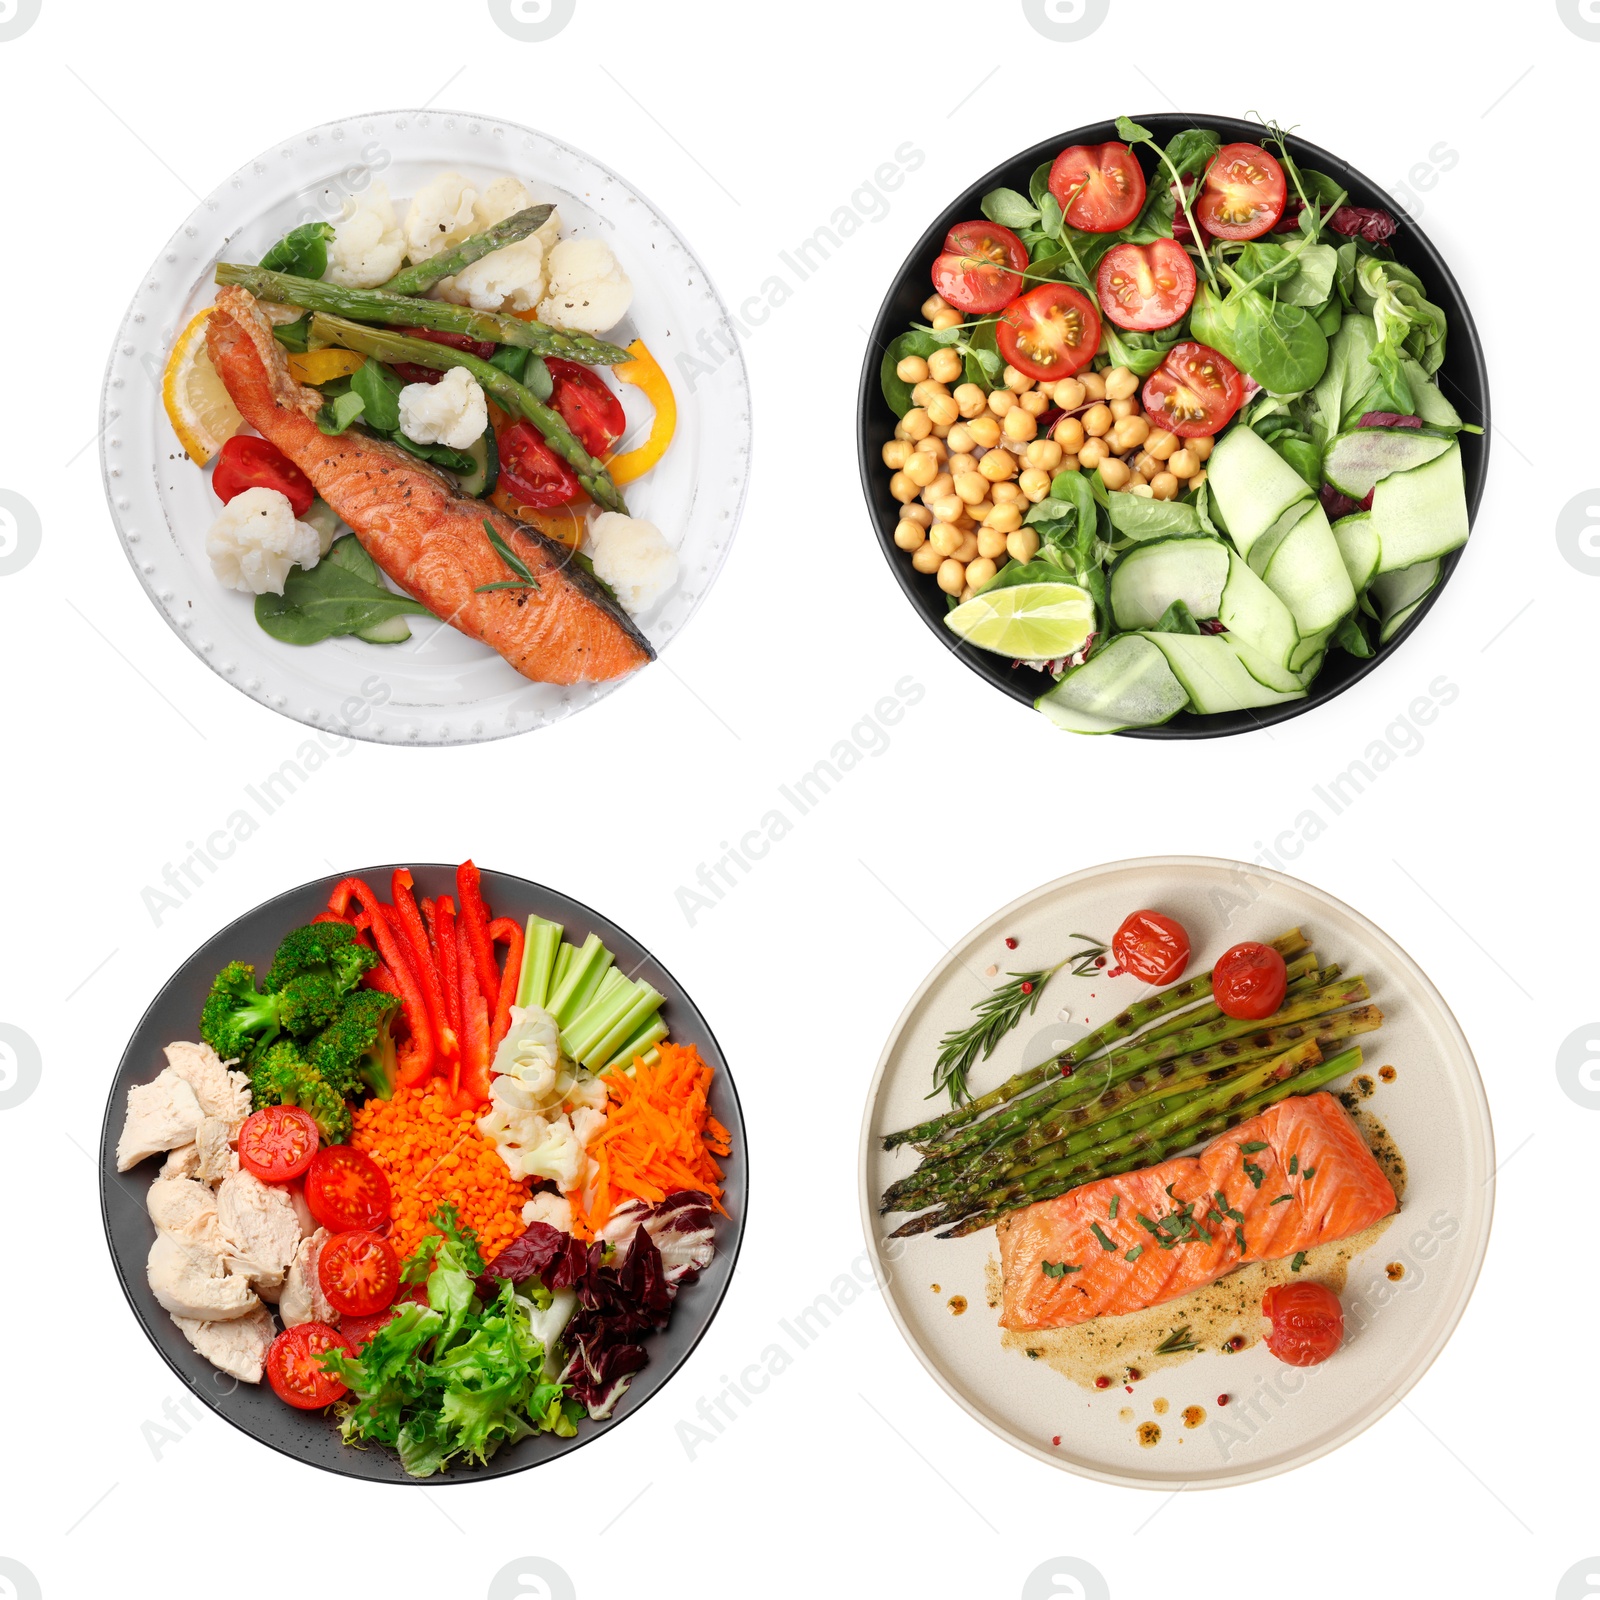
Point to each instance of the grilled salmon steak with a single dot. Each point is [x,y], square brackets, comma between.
[1067,1260]
[426,537]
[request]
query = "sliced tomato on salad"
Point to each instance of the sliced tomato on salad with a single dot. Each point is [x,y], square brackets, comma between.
[1152,946]
[360,1330]
[1242,194]
[1145,286]
[410,372]
[1051,332]
[278,1143]
[1099,187]
[246,462]
[295,1370]
[981,268]
[586,405]
[1307,1322]
[1194,392]
[346,1189]
[531,471]
[359,1273]
[1249,981]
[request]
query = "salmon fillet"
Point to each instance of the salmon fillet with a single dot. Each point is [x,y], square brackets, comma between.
[426,537]
[1336,1189]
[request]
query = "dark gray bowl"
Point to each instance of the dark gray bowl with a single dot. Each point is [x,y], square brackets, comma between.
[1463,377]
[313,1437]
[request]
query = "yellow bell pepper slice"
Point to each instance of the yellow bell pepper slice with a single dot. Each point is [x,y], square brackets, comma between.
[323,366]
[645,374]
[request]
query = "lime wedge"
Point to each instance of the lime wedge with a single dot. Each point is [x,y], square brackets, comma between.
[1028,621]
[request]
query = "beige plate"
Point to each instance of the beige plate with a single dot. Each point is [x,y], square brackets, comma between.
[1281,1417]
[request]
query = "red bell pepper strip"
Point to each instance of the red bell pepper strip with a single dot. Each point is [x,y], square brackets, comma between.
[471,1079]
[449,959]
[422,963]
[509,933]
[417,1053]
[475,919]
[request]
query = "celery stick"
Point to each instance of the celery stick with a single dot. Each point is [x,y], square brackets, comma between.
[646,1003]
[584,972]
[538,958]
[609,1001]
[558,971]
[640,1043]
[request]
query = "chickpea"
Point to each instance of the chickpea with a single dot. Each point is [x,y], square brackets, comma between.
[945,365]
[1094,385]
[1129,434]
[1023,545]
[1069,394]
[991,543]
[1034,484]
[1114,474]
[979,572]
[1146,465]
[1035,402]
[1045,454]
[972,487]
[917,423]
[945,319]
[1097,421]
[1004,494]
[1123,408]
[1143,490]
[985,431]
[933,305]
[1069,434]
[920,515]
[1001,401]
[1019,426]
[943,412]
[1164,486]
[922,469]
[958,464]
[940,429]
[947,509]
[1163,444]
[900,429]
[1198,479]
[941,488]
[979,513]
[902,488]
[1094,451]
[895,453]
[960,440]
[1119,382]
[952,577]
[912,369]
[933,446]
[946,538]
[1068,464]
[910,536]
[1005,518]
[925,391]
[1201,447]
[1016,381]
[969,548]
[998,465]
[1183,464]
[972,400]
[926,559]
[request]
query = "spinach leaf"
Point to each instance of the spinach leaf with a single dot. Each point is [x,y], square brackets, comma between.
[1312,282]
[441,455]
[1178,618]
[1427,399]
[1137,518]
[1345,380]
[511,360]
[1072,489]
[1329,314]
[1351,636]
[303,251]
[1301,454]
[536,377]
[330,599]
[379,390]
[1202,510]
[339,410]
[1009,209]
[293,335]
[1141,353]
[896,392]
[1191,150]
[1039,184]
[982,356]
[1280,346]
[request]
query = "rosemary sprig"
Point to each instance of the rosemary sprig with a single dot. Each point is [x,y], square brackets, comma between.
[997,1014]
[524,578]
[1179,1340]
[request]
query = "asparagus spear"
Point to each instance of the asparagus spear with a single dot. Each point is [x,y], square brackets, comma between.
[1121,1026]
[384,345]
[1296,984]
[439,316]
[422,275]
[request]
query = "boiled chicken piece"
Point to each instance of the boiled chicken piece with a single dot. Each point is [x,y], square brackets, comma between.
[213,1142]
[183,1162]
[302,1299]
[162,1114]
[221,1093]
[192,1281]
[187,1210]
[238,1347]
[297,1198]
[260,1225]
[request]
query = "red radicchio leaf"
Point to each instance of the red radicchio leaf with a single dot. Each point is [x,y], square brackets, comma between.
[1365,222]
[1335,504]
[1388,419]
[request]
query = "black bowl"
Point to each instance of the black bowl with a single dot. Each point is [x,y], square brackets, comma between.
[313,1437]
[1462,376]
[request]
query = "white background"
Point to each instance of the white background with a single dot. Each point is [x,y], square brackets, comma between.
[750,126]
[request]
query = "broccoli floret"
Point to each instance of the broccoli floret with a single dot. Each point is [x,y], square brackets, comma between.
[308,1003]
[281,1075]
[357,1047]
[236,1018]
[327,948]
[327,1108]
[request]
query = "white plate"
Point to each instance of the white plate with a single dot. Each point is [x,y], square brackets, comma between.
[1280,1417]
[440,687]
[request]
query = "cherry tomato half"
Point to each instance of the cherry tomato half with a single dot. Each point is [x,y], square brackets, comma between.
[1145,286]
[411,372]
[1051,332]
[1249,980]
[531,471]
[1194,392]
[981,268]
[359,1273]
[586,405]
[247,462]
[294,1366]
[1307,1322]
[1242,193]
[346,1190]
[360,1330]
[1152,946]
[1099,187]
[277,1143]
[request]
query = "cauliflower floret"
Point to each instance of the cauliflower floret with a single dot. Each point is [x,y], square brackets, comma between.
[500,200]
[532,1147]
[634,557]
[451,412]
[553,1209]
[440,216]
[511,278]
[528,1070]
[589,290]
[586,1124]
[586,1091]
[368,245]
[256,540]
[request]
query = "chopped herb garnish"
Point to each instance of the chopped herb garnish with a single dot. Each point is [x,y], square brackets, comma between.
[1250,1147]
[1112,1213]
[1100,1234]
[524,578]
[1298,1262]
[1281,1198]
[1170,1188]
[1238,1239]
[1057,1269]
[1135,1253]
[1213,1215]
[1309,1174]
[1254,1174]
[1238,1216]
[1148,1225]
[1294,1165]
[1178,1340]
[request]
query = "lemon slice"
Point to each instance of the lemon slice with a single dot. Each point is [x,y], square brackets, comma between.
[199,407]
[1028,621]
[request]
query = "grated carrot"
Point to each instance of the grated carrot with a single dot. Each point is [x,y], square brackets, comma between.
[659,1136]
[432,1151]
